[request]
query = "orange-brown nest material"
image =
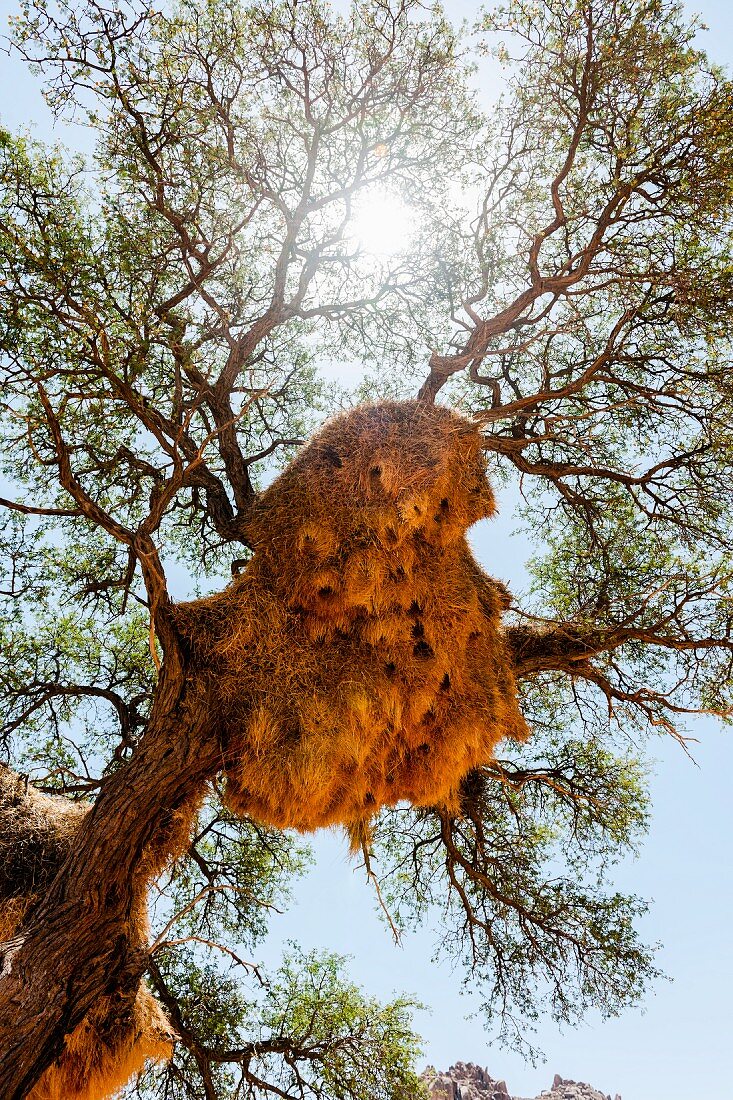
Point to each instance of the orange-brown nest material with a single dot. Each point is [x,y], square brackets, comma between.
[359,659]
[107,1049]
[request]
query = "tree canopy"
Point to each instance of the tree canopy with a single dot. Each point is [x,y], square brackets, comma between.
[175,311]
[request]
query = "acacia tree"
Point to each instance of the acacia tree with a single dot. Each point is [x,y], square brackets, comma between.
[165,307]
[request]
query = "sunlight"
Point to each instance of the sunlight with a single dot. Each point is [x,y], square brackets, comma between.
[382,224]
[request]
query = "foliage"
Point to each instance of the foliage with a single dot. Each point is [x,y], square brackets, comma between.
[309,1032]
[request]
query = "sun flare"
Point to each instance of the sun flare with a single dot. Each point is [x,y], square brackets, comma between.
[382,224]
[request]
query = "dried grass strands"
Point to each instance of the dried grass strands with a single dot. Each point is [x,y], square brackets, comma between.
[359,660]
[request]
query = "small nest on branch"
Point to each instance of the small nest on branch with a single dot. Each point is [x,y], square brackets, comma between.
[36,832]
[359,660]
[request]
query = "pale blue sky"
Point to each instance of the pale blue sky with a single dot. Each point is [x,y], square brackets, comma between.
[679,1046]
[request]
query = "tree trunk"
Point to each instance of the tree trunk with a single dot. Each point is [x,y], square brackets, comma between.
[80,943]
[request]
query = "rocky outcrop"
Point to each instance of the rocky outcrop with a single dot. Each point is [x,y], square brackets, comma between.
[565,1089]
[466,1081]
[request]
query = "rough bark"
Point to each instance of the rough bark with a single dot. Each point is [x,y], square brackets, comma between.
[77,946]
[558,647]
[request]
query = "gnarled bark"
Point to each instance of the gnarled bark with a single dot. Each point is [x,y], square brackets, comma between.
[79,944]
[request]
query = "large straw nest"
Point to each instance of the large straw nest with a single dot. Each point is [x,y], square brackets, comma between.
[359,660]
[122,1030]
